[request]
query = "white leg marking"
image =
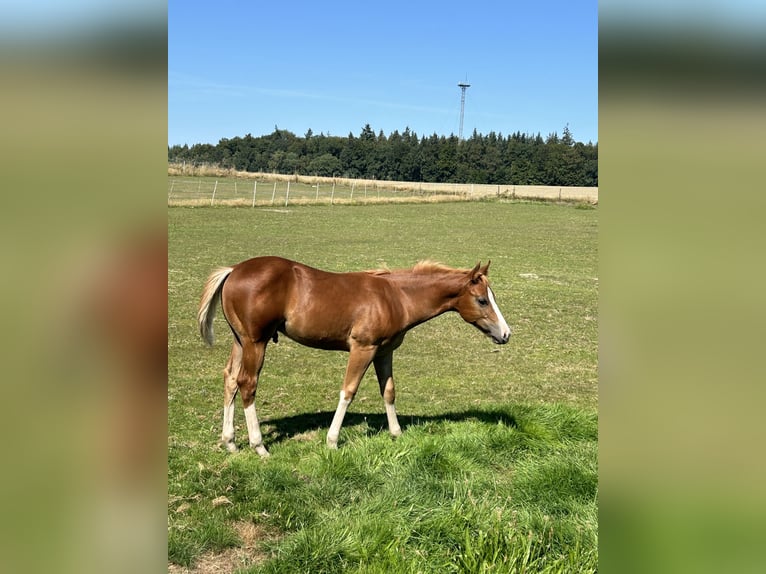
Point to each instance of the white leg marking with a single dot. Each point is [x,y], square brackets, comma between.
[337,421]
[505,330]
[393,422]
[254,430]
[227,436]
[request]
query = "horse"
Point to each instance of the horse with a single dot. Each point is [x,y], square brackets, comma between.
[365,313]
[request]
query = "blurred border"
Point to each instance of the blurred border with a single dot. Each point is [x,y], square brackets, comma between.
[84,252]
[682,119]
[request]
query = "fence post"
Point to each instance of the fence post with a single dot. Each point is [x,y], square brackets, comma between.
[353,183]
[255,183]
[273,193]
[213,197]
[332,195]
[287,194]
[317,197]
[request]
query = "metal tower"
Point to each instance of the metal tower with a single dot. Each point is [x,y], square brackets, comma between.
[462,86]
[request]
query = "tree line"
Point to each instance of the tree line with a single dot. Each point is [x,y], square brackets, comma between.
[517,159]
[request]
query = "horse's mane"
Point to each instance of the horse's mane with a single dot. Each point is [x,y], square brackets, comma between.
[422,267]
[427,266]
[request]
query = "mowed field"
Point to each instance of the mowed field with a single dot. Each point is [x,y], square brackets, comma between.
[497,468]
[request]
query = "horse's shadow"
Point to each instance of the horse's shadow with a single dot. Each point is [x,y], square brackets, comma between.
[285,428]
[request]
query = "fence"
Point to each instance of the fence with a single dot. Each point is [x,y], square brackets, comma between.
[258,189]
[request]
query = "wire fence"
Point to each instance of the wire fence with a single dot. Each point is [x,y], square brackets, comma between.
[275,190]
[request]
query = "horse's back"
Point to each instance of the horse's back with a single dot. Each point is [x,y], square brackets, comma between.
[267,264]
[314,307]
[256,275]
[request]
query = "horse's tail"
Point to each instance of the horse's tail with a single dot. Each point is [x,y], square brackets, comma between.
[211,294]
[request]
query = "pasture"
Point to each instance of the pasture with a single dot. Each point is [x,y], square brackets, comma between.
[497,468]
[205,185]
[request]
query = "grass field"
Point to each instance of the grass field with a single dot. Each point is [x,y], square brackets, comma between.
[240,191]
[215,186]
[497,468]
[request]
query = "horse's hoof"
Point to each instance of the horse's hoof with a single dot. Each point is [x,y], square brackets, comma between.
[229,446]
[261,450]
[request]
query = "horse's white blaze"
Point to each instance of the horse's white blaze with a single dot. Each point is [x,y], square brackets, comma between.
[505,330]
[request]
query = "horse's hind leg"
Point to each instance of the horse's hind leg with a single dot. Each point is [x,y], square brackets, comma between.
[230,374]
[253,354]
[385,374]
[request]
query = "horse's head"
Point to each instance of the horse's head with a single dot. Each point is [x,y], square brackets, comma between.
[477,306]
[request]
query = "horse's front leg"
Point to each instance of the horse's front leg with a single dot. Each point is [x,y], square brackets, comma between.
[385,373]
[358,362]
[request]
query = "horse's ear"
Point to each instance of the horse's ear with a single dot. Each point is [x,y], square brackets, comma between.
[485,270]
[476,273]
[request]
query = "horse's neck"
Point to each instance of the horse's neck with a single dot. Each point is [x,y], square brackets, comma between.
[428,295]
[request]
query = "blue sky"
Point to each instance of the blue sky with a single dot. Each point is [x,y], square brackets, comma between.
[239,67]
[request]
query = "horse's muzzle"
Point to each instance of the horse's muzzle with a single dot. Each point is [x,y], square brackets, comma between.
[502,339]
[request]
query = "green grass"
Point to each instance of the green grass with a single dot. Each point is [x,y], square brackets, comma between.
[496,469]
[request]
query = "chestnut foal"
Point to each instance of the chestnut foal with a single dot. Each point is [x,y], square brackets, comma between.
[364,313]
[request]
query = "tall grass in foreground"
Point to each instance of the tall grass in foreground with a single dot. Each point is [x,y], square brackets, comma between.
[512,489]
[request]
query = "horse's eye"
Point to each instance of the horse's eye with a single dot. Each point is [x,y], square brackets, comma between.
[482,301]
